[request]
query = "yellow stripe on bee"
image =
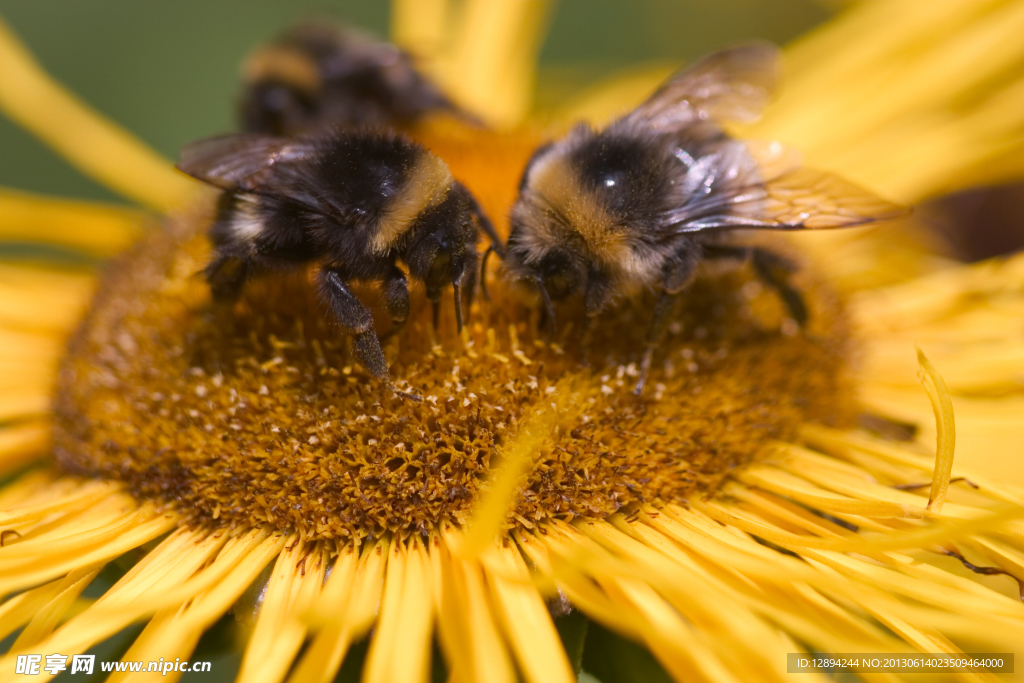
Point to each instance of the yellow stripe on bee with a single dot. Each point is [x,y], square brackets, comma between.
[286,64]
[558,183]
[427,186]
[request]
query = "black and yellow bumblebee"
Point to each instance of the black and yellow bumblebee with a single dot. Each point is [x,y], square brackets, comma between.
[321,74]
[643,202]
[355,204]
[319,177]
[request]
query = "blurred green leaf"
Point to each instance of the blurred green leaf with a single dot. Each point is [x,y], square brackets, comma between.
[613,659]
[572,628]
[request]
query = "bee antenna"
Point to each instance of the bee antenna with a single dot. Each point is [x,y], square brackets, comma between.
[483,273]
[437,314]
[484,222]
[458,306]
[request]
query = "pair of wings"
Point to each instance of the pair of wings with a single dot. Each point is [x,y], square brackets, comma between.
[736,186]
[739,185]
[241,161]
[263,165]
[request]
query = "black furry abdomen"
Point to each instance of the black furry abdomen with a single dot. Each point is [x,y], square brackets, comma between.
[362,172]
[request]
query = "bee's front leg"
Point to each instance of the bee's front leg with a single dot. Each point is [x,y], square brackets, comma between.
[675,279]
[772,269]
[595,300]
[226,275]
[469,288]
[659,322]
[396,297]
[358,322]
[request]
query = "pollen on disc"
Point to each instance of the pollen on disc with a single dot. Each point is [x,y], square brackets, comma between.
[260,415]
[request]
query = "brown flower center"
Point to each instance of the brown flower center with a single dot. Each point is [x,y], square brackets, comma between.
[260,415]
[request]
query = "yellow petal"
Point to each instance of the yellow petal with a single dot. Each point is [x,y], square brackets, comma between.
[400,650]
[420,26]
[94,227]
[97,146]
[48,616]
[943,407]
[346,609]
[526,620]
[491,69]
[473,646]
[294,586]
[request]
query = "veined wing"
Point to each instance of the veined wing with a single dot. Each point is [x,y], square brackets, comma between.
[727,189]
[241,161]
[731,85]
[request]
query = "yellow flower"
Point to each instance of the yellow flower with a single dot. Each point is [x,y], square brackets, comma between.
[736,515]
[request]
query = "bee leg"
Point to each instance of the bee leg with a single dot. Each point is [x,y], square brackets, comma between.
[470,289]
[396,297]
[482,221]
[358,322]
[659,323]
[435,305]
[585,337]
[457,289]
[226,275]
[675,279]
[546,321]
[774,270]
[483,273]
[595,300]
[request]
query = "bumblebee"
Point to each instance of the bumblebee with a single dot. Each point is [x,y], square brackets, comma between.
[352,202]
[643,202]
[318,74]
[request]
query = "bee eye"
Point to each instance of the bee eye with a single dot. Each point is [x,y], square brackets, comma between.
[553,263]
[275,108]
[278,99]
[558,285]
[559,275]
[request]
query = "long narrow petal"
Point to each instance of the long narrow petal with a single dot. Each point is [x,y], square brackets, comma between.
[492,67]
[526,619]
[347,608]
[95,145]
[472,642]
[400,651]
[93,227]
[420,26]
[294,586]
[174,632]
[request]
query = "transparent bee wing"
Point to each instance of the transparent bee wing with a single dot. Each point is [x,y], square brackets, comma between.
[773,159]
[241,161]
[731,85]
[728,190]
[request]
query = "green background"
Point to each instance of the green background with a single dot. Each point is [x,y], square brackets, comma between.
[168,69]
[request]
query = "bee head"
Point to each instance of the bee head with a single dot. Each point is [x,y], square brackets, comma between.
[444,252]
[275,108]
[562,227]
[282,90]
[545,271]
[591,193]
[559,274]
[444,244]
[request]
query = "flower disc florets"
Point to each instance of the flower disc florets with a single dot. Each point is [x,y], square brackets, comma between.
[259,415]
